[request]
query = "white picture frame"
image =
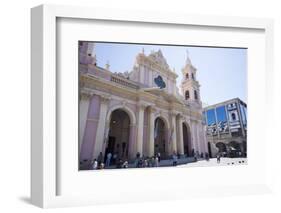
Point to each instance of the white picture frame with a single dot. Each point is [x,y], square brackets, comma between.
[44,148]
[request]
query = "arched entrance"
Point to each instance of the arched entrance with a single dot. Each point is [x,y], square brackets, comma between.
[118,135]
[234,149]
[186,139]
[160,130]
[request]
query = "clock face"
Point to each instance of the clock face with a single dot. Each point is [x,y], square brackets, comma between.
[159,82]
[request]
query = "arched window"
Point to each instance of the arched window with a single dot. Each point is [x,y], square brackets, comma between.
[186,95]
[192,76]
[186,76]
[195,95]
[233,116]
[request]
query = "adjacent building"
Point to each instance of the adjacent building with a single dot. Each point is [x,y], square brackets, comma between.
[138,112]
[226,128]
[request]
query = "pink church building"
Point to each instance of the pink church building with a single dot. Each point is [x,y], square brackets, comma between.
[138,112]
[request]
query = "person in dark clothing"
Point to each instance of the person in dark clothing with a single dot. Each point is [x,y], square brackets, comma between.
[175,159]
[100,159]
[207,157]
[159,157]
[218,158]
[119,163]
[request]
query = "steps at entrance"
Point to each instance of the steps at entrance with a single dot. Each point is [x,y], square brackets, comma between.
[163,163]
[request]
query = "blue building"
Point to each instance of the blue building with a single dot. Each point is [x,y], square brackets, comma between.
[226,128]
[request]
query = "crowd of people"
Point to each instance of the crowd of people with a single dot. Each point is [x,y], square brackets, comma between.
[142,162]
[104,162]
[114,161]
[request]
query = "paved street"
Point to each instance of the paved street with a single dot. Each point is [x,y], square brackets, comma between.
[213,162]
[189,162]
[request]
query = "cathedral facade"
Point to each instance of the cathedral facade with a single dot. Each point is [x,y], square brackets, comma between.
[141,112]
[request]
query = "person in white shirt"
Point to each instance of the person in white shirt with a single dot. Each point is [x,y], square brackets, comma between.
[95,164]
[156,161]
[108,159]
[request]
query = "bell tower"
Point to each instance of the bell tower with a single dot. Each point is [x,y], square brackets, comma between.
[190,87]
[87,53]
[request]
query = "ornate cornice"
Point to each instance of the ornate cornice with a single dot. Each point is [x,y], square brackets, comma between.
[105,99]
[85,95]
[173,113]
[141,105]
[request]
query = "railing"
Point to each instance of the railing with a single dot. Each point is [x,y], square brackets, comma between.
[107,75]
[123,82]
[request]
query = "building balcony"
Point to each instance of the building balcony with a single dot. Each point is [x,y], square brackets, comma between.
[124,82]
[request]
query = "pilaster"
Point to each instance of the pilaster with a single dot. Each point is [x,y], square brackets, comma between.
[180,144]
[140,125]
[151,131]
[173,138]
[83,112]
[100,136]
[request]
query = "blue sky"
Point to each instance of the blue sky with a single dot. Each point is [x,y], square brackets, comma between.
[221,72]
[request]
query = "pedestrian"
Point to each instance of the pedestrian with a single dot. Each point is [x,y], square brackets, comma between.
[102,166]
[195,156]
[149,162]
[153,162]
[108,159]
[145,163]
[138,155]
[140,163]
[159,156]
[114,158]
[100,158]
[125,165]
[95,164]
[175,159]
[207,156]
[137,161]
[156,161]
[218,158]
[192,152]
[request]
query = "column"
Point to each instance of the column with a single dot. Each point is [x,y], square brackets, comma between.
[83,113]
[141,70]
[174,87]
[198,137]
[180,137]
[101,126]
[240,118]
[106,135]
[150,77]
[90,131]
[205,138]
[203,142]
[193,135]
[174,133]
[140,129]
[132,140]
[151,132]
